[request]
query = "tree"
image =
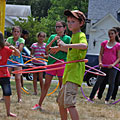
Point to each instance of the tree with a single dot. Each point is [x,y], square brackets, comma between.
[18,2]
[56,11]
[44,18]
[40,7]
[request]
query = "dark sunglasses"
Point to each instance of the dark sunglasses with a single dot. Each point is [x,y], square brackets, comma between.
[58,26]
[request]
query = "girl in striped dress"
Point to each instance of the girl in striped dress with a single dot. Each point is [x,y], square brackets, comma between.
[38,51]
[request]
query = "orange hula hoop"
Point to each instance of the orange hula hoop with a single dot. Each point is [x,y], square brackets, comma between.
[48,93]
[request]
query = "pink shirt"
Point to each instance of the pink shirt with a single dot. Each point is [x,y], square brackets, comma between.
[109,54]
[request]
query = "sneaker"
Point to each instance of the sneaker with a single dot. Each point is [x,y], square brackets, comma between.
[36,107]
[19,100]
[1,99]
[91,99]
[106,102]
[12,115]
[112,100]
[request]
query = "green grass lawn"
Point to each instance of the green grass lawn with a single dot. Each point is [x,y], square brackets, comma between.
[86,110]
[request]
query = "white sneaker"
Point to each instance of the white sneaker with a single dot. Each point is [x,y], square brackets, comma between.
[106,102]
[112,100]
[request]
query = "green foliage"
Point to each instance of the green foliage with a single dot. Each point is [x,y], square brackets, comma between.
[18,2]
[56,12]
[45,17]
[33,26]
[39,8]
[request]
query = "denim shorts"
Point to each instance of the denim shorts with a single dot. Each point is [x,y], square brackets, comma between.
[5,84]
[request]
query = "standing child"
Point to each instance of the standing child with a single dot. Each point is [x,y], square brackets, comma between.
[24,35]
[74,72]
[38,51]
[18,42]
[110,56]
[117,79]
[5,52]
[58,53]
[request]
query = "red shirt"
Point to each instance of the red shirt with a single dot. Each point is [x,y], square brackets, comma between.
[4,55]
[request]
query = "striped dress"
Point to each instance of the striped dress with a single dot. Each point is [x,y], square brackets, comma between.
[38,50]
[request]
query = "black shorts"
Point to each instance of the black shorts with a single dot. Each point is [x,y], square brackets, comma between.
[5,84]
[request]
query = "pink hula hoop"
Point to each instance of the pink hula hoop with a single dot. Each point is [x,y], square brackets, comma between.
[47,66]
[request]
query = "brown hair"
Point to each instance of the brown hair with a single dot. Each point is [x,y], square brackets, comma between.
[64,25]
[39,33]
[16,27]
[112,29]
[2,42]
[117,36]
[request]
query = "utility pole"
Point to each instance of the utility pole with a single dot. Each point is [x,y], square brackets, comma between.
[2,15]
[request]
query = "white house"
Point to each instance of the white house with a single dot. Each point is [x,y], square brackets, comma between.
[14,12]
[103,15]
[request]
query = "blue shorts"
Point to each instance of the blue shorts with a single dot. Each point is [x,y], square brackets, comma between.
[5,84]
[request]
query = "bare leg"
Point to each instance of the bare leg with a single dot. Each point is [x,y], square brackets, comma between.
[73,113]
[22,81]
[45,88]
[63,112]
[35,83]
[18,86]
[2,98]
[60,81]
[41,80]
[18,82]
[7,104]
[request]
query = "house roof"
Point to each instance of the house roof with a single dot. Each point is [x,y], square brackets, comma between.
[15,11]
[9,20]
[18,10]
[105,17]
[97,9]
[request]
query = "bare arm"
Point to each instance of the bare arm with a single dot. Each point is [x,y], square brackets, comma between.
[76,46]
[118,59]
[54,50]
[7,43]
[21,47]
[100,56]
[32,53]
[50,44]
[15,51]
